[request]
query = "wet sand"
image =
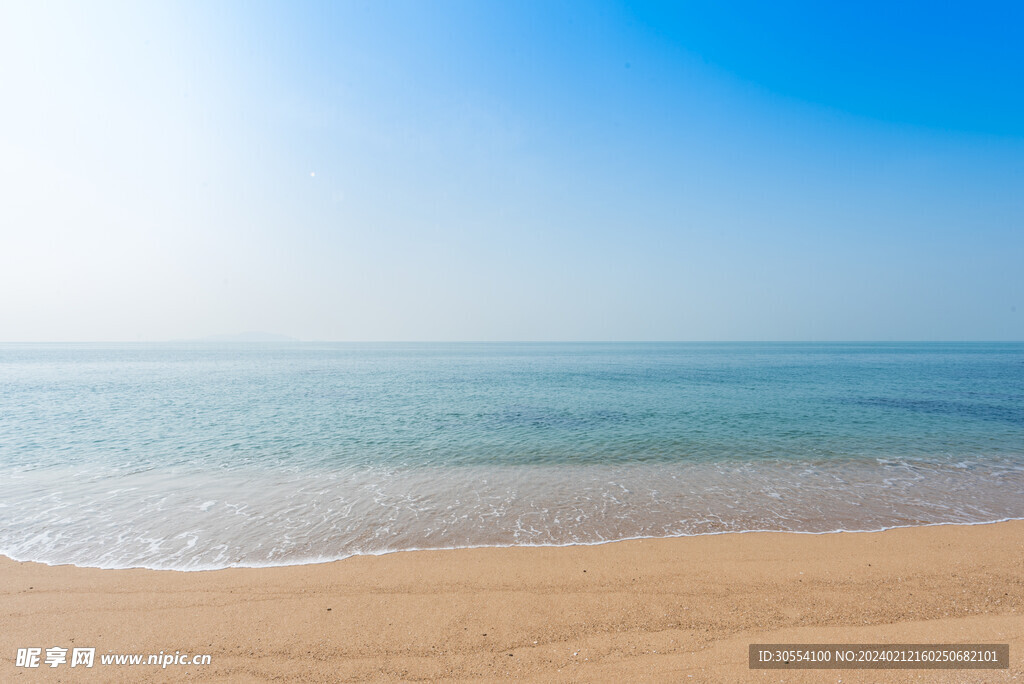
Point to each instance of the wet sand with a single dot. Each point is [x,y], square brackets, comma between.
[647,610]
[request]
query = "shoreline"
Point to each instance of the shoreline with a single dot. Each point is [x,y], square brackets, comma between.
[647,609]
[328,561]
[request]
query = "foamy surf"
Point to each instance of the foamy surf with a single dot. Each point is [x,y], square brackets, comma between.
[193,458]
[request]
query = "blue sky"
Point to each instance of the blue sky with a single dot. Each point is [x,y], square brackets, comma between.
[512,171]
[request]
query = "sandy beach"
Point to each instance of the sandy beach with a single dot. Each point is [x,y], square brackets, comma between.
[647,610]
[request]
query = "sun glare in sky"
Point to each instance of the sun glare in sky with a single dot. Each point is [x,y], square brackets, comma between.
[512,171]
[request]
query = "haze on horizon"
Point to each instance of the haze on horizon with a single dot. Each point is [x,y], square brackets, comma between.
[512,171]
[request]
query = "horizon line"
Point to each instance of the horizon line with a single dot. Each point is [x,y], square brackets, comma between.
[524,341]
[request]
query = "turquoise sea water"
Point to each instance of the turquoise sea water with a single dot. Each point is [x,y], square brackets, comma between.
[202,456]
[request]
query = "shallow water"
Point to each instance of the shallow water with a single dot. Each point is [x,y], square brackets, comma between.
[203,456]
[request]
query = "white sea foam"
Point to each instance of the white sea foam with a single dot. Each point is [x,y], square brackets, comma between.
[250,518]
[193,457]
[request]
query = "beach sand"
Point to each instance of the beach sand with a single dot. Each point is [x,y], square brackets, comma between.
[645,610]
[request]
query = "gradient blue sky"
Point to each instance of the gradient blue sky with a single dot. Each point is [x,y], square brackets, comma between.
[512,171]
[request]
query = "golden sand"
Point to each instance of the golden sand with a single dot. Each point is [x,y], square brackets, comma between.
[651,610]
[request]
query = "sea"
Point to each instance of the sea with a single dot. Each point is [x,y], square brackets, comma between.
[211,455]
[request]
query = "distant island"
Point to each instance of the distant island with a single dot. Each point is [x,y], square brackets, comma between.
[249,336]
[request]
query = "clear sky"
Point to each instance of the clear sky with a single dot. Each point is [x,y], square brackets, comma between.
[512,170]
